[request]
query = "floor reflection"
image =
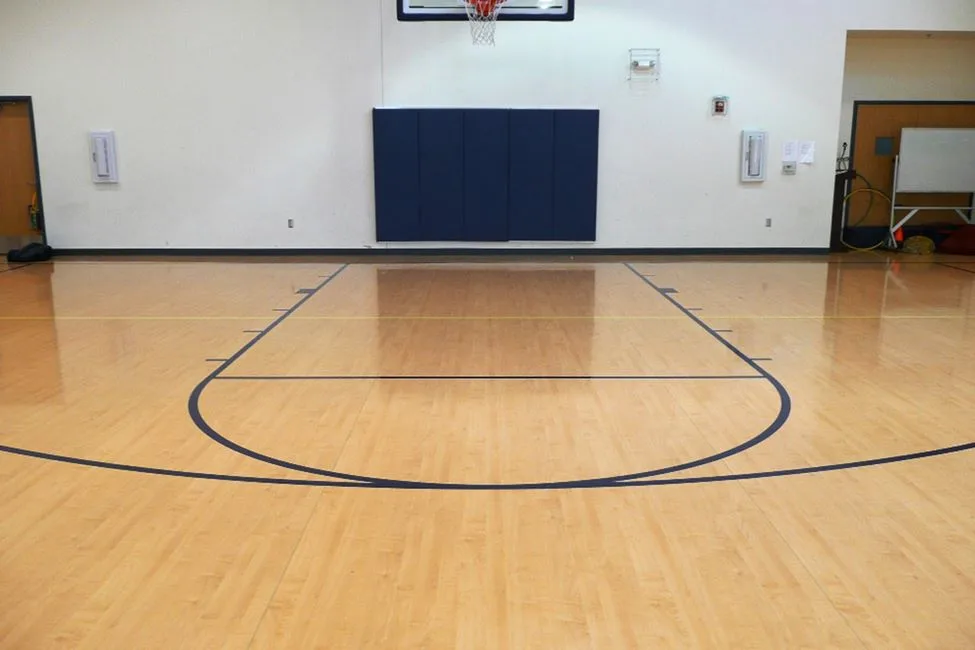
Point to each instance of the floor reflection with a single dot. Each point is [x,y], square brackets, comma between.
[484,302]
[30,367]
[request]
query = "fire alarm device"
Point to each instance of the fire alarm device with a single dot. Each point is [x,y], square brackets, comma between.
[720,106]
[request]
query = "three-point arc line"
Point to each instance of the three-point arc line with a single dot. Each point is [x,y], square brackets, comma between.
[693,480]
[785,403]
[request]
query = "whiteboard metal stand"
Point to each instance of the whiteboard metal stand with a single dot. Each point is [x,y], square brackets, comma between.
[913,210]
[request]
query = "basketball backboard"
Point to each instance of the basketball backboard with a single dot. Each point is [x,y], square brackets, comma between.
[556,10]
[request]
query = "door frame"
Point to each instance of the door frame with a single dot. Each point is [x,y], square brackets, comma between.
[11,99]
[838,214]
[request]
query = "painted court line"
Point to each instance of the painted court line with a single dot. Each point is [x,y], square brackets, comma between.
[957,268]
[750,317]
[485,377]
[193,403]
[785,405]
[266,480]
[691,480]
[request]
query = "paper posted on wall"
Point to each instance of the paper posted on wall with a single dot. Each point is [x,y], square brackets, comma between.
[790,151]
[807,152]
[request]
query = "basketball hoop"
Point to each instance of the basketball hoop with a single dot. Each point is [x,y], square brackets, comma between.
[483,16]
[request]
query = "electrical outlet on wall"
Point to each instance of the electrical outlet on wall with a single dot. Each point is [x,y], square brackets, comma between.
[291,223]
[768,223]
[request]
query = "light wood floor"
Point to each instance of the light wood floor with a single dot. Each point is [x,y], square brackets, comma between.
[308,454]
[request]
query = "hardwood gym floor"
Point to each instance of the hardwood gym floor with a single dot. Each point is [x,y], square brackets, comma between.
[699,453]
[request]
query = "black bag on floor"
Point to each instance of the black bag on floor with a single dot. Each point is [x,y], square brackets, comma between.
[31,253]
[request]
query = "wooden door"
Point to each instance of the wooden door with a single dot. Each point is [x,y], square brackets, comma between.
[873,122]
[17,170]
[877,121]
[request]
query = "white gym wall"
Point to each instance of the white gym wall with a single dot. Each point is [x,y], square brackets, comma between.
[233,116]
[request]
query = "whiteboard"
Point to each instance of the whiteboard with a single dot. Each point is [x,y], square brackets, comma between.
[937,160]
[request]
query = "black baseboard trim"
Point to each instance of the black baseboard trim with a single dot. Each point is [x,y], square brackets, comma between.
[411,252]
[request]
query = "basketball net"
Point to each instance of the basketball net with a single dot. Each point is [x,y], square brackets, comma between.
[483,16]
